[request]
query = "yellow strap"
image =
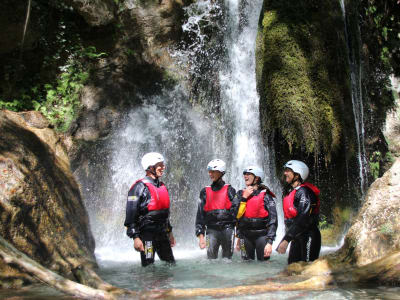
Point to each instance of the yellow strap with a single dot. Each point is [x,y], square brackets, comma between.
[242,209]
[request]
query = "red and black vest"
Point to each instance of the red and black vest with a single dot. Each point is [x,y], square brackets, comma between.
[217,199]
[255,206]
[290,211]
[159,196]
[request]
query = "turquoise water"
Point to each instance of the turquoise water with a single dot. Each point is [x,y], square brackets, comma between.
[193,270]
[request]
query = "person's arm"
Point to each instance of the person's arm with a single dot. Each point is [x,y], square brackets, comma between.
[201,220]
[135,195]
[303,198]
[270,206]
[237,198]
[200,216]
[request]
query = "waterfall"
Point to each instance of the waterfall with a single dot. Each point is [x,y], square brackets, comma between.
[357,101]
[240,100]
[188,137]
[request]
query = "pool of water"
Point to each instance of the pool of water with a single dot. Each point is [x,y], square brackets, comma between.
[194,270]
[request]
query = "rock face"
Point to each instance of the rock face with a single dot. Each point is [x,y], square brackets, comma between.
[41,210]
[138,61]
[376,230]
[95,13]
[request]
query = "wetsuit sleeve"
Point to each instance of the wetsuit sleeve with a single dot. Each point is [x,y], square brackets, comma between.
[236,203]
[302,200]
[270,206]
[135,196]
[200,217]
[231,196]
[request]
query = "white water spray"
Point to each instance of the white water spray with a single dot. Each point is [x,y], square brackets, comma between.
[240,100]
[358,109]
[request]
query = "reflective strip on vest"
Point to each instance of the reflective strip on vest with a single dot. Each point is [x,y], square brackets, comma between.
[217,199]
[255,206]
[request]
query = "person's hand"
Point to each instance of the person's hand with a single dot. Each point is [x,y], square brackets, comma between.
[237,248]
[172,239]
[282,247]
[138,244]
[247,192]
[202,241]
[267,250]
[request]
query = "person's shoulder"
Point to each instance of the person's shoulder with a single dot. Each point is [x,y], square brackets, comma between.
[138,184]
[304,190]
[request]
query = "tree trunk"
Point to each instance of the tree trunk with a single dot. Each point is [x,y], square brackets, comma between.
[13,257]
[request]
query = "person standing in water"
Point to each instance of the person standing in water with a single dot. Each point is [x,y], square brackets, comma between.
[147,213]
[215,220]
[301,211]
[257,217]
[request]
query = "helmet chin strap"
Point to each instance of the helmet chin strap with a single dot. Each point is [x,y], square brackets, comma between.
[254,181]
[220,177]
[152,171]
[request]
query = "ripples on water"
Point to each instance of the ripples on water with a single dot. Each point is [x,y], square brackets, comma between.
[194,270]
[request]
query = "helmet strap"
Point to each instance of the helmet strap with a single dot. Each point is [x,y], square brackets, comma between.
[152,171]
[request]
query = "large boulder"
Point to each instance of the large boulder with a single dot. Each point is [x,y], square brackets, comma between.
[375,232]
[41,209]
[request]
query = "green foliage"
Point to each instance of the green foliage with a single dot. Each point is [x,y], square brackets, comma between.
[49,76]
[61,102]
[377,163]
[323,223]
[383,20]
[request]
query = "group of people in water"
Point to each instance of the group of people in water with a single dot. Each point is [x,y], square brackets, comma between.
[224,214]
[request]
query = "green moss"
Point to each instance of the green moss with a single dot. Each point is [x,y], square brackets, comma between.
[300,84]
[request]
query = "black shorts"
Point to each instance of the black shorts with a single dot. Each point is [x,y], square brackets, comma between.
[155,242]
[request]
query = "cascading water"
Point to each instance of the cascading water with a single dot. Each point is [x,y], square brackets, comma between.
[240,100]
[357,100]
[189,140]
[166,124]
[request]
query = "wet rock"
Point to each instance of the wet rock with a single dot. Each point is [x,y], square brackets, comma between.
[375,232]
[41,210]
[95,13]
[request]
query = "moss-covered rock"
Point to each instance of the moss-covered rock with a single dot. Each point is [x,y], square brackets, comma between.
[305,99]
[303,74]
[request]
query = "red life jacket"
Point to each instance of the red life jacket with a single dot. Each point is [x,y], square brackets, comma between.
[290,211]
[255,206]
[159,195]
[217,199]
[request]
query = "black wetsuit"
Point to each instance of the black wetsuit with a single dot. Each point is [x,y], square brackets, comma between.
[217,225]
[152,227]
[302,231]
[255,233]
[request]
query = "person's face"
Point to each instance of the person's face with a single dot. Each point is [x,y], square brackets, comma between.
[288,175]
[248,178]
[214,175]
[159,169]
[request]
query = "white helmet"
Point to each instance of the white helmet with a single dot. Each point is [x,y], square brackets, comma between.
[216,165]
[150,159]
[256,171]
[298,167]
